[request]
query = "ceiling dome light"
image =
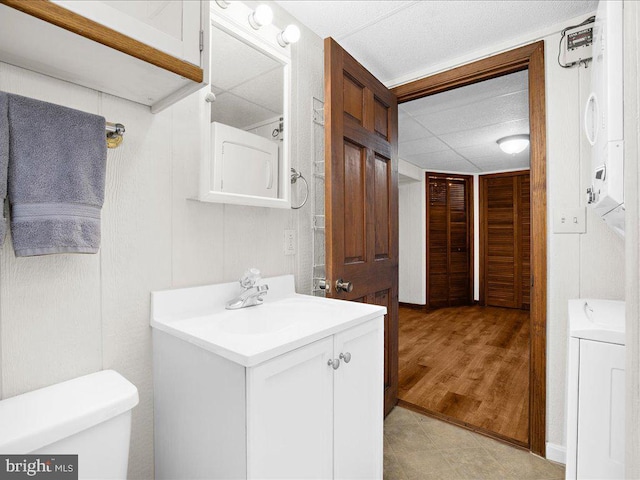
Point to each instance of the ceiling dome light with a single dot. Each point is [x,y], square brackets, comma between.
[261,16]
[513,144]
[291,34]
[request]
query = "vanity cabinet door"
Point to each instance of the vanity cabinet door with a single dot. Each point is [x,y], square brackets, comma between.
[171,26]
[359,401]
[290,415]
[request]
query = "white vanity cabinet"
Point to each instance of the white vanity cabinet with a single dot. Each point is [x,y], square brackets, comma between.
[307,420]
[292,388]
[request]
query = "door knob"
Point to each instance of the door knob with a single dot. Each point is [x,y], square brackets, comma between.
[342,286]
[210,97]
[345,356]
[335,363]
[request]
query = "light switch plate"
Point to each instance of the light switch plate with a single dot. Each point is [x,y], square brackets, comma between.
[569,220]
[289,242]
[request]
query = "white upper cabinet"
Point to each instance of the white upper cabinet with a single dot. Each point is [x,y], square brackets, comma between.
[172,26]
[245,113]
[151,52]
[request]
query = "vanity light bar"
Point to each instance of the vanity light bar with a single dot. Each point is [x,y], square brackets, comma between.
[263,15]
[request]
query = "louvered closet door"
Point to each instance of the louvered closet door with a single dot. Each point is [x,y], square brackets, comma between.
[448,240]
[505,223]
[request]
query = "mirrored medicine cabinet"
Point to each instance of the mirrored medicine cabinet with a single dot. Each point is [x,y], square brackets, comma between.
[246,113]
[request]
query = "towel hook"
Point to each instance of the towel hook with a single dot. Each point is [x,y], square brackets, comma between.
[295,175]
[115,132]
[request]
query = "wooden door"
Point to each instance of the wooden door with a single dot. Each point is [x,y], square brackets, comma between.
[449,240]
[505,225]
[358,402]
[361,194]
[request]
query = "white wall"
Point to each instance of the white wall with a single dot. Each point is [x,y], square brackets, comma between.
[632,235]
[589,265]
[63,316]
[412,234]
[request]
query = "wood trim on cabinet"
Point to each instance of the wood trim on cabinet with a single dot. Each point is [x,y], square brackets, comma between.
[529,57]
[75,23]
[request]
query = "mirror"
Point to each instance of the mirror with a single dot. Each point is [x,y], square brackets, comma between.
[247,83]
[247,159]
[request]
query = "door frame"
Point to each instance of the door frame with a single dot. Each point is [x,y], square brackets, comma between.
[483,228]
[470,223]
[529,57]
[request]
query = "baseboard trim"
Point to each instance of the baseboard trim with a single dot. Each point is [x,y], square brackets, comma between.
[556,453]
[413,306]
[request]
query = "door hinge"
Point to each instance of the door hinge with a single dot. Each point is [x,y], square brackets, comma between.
[201,40]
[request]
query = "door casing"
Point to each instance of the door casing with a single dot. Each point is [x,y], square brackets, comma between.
[529,57]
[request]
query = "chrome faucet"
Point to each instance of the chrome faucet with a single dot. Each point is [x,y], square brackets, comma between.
[252,295]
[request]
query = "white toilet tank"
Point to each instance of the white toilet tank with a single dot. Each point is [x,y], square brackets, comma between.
[88,416]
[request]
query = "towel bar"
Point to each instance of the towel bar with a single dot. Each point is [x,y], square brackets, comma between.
[115,131]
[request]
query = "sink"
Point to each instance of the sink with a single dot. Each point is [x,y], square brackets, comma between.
[254,324]
[285,321]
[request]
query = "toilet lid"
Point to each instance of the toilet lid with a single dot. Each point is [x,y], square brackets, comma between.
[35,419]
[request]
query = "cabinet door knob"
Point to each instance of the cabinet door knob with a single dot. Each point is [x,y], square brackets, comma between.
[335,363]
[210,97]
[345,356]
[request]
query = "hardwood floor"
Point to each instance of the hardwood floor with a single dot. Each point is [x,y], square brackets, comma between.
[468,364]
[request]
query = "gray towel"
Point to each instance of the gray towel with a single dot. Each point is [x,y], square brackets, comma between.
[4,160]
[57,161]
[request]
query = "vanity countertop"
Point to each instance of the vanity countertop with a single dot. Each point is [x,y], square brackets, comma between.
[252,335]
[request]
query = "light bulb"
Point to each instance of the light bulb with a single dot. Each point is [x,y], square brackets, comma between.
[513,144]
[261,16]
[291,34]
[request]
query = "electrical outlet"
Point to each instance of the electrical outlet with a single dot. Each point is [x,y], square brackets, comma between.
[569,220]
[289,242]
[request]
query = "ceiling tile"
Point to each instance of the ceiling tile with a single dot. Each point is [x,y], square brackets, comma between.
[238,112]
[409,129]
[488,134]
[338,18]
[491,111]
[421,146]
[503,162]
[266,90]
[515,82]
[235,61]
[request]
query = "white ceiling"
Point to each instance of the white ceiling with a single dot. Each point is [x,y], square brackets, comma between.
[456,131]
[394,39]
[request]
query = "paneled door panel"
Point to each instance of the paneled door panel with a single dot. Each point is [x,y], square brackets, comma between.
[505,224]
[449,240]
[361,194]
